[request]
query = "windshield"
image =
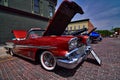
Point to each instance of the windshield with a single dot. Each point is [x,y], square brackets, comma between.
[36,33]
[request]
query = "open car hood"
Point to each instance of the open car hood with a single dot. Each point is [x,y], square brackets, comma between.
[19,33]
[62,18]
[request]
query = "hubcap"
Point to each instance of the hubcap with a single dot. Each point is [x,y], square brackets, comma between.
[48,60]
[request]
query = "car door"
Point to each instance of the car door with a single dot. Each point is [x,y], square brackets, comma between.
[26,49]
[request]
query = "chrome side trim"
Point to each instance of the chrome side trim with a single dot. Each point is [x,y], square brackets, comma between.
[41,47]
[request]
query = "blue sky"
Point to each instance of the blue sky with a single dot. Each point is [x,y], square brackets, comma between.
[104,14]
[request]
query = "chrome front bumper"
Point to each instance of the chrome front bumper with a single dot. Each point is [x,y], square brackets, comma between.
[77,59]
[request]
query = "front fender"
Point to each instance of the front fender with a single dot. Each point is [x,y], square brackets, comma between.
[58,52]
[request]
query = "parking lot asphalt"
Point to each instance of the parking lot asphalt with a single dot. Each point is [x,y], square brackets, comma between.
[17,68]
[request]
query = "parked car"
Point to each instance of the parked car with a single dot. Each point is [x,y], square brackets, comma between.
[50,47]
[94,37]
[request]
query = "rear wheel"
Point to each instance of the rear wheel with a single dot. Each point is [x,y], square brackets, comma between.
[47,60]
[11,52]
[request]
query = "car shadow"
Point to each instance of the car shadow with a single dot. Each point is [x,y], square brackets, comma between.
[93,61]
[63,72]
[70,72]
[96,42]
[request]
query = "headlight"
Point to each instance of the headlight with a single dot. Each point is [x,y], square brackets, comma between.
[73,43]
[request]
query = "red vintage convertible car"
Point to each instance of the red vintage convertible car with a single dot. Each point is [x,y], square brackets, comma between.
[49,47]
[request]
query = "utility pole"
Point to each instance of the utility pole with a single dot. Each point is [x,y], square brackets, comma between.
[112,29]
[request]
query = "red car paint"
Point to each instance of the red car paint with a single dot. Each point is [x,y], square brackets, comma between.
[19,33]
[58,45]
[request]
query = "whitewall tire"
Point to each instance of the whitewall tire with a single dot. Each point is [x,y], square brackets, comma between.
[47,60]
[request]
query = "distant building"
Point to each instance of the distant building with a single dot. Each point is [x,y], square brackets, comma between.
[24,14]
[76,25]
[118,31]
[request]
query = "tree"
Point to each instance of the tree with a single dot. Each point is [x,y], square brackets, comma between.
[104,33]
[116,29]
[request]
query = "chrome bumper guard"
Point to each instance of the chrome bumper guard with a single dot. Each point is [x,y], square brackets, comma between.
[77,59]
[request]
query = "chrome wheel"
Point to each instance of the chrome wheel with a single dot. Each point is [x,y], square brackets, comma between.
[48,61]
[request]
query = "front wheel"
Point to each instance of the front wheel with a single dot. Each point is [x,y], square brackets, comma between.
[47,60]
